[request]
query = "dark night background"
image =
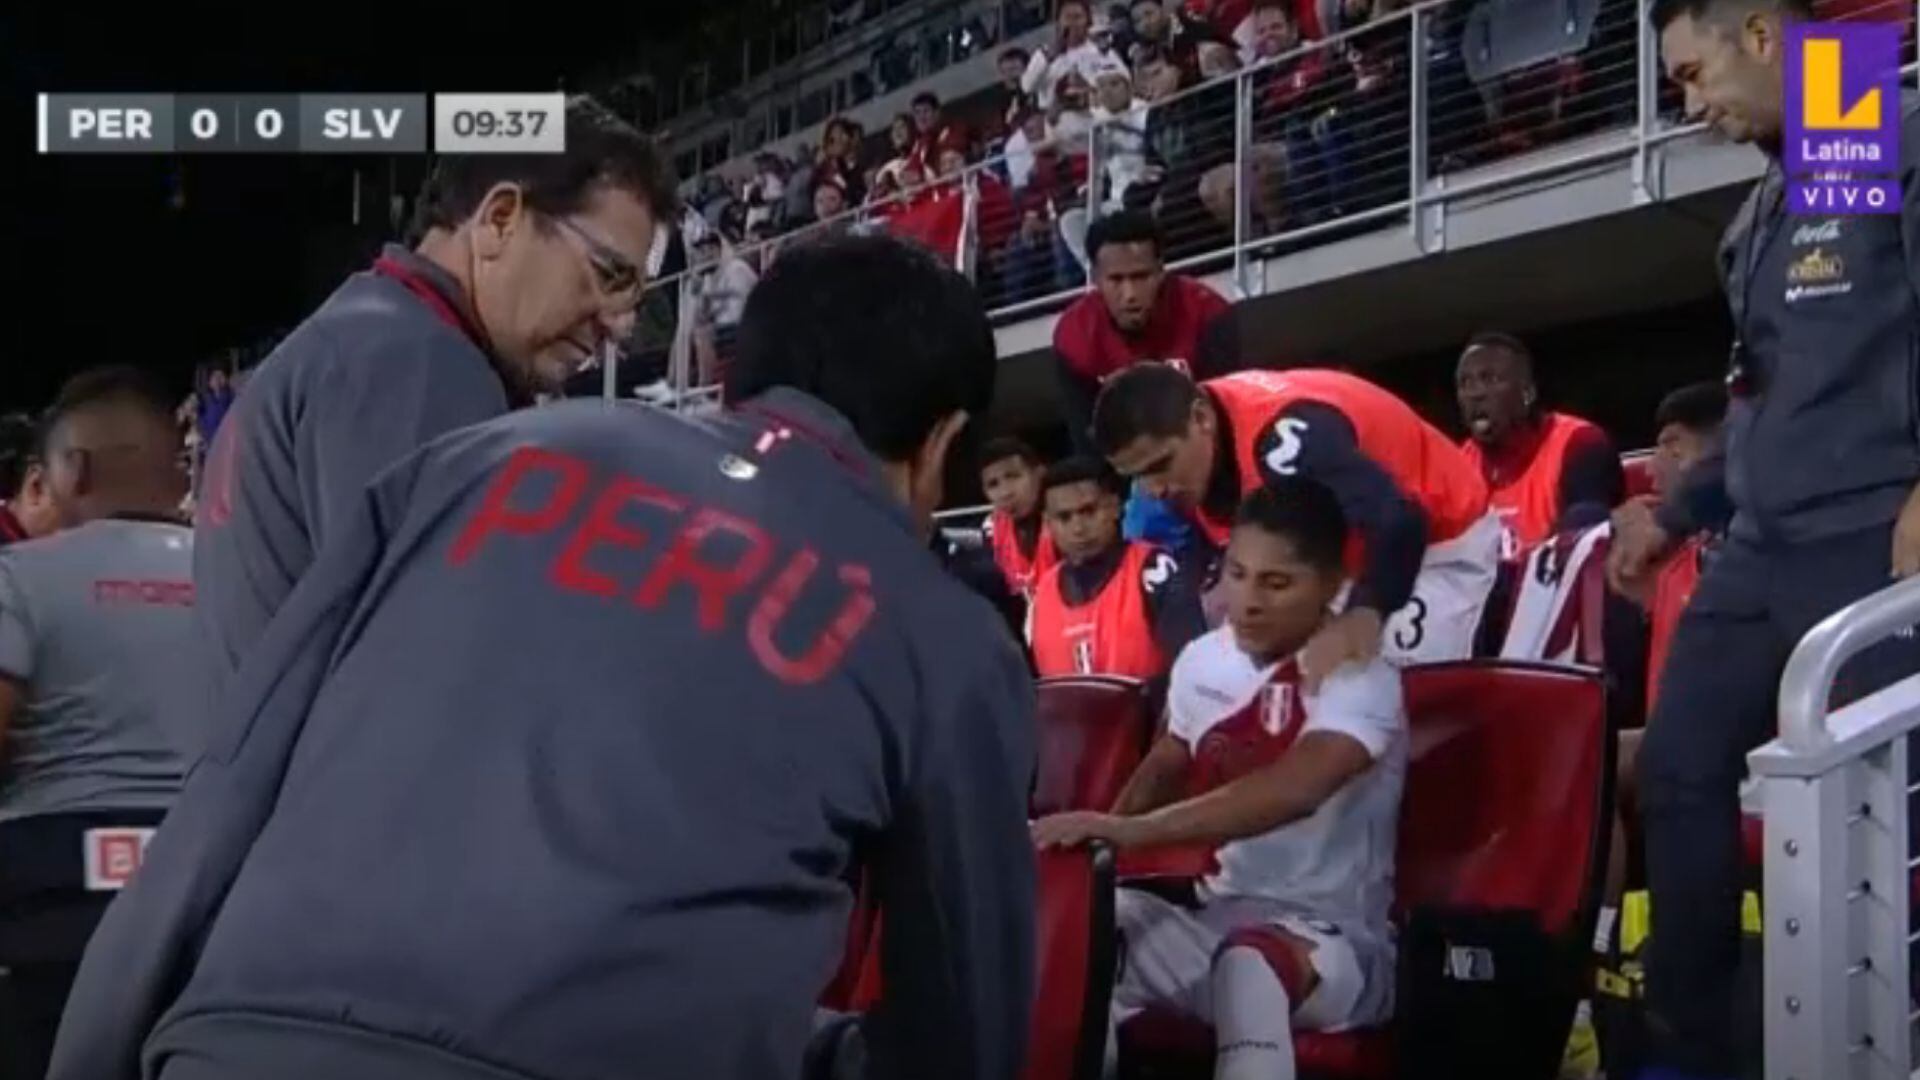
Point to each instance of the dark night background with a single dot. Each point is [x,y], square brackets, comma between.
[165,261]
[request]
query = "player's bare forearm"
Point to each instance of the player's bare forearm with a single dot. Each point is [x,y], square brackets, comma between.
[1280,793]
[1158,780]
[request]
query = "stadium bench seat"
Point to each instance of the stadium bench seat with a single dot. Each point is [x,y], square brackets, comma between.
[1093,732]
[1638,467]
[1074,944]
[1507,804]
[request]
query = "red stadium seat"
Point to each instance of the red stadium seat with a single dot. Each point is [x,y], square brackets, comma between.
[1093,732]
[1507,803]
[1638,465]
[1074,964]
[1073,980]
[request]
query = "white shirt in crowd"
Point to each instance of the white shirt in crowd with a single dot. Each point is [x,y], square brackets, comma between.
[1044,70]
[1123,149]
[722,290]
[1336,864]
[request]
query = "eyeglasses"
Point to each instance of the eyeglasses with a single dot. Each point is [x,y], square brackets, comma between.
[615,274]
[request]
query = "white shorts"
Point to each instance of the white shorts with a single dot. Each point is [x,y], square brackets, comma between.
[1449,599]
[1169,954]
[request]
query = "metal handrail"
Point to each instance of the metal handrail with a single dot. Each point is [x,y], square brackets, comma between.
[1806,687]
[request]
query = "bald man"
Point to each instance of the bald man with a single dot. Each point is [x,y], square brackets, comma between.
[1546,472]
[96,624]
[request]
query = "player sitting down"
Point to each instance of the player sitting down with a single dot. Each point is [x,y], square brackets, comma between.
[1301,796]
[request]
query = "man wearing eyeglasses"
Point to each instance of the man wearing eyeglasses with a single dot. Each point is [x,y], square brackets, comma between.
[529,265]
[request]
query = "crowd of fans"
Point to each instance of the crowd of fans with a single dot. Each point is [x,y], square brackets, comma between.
[1132,107]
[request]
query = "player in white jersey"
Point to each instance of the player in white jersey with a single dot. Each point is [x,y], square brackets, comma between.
[1302,797]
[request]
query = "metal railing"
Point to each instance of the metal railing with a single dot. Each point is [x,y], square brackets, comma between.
[1382,126]
[1835,790]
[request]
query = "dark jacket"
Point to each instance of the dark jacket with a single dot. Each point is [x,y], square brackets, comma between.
[1823,431]
[559,760]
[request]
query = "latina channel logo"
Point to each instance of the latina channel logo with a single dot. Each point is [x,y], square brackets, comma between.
[1842,152]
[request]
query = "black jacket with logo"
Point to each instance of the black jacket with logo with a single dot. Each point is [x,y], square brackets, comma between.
[1824,436]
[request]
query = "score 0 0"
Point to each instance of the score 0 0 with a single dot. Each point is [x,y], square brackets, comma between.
[235,123]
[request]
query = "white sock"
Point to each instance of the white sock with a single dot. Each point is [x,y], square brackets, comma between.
[1252,1019]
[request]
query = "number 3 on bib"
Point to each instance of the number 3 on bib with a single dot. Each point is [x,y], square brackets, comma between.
[1284,457]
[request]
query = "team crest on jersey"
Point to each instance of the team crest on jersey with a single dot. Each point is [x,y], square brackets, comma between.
[1279,708]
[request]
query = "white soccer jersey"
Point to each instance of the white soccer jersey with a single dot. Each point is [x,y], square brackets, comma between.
[1233,716]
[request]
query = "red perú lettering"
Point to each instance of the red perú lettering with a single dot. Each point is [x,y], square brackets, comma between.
[716,554]
[124,592]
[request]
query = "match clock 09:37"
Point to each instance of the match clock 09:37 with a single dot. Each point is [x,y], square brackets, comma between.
[499,123]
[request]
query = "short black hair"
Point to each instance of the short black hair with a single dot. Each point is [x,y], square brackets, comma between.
[1125,227]
[1013,52]
[19,449]
[1699,407]
[602,149]
[1080,469]
[114,384]
[1002,447]
[1666,11]
[1148,399]
[1305,513]
[878,329]
[925,97]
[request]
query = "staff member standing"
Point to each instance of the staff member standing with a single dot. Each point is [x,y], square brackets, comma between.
[767,681]
[1821,468]
[96,624]
[1546,471]
[530,266]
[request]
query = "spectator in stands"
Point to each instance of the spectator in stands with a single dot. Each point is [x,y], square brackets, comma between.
[901,140]
[1188,137]
[1120,120]
[1823,473]
[1546,472]
[1428,546]
[1109,606]
[870,700]
[721,283]
[1295,108]
[1165,28]
[1137,312]
[28,511]
[1010,101]
[1071,50]
[829,204]
[96,674]
[1372,87]
[528,266]
[839,160]
[1300,796]
[933,132]
[1010,474]
[799,185]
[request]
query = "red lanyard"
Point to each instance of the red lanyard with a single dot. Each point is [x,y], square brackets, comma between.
[432,297]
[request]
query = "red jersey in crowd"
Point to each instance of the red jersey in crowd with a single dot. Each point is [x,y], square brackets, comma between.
[1559,463]
[1021,564]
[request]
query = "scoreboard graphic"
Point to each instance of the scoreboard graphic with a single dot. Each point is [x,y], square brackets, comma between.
[302,123]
